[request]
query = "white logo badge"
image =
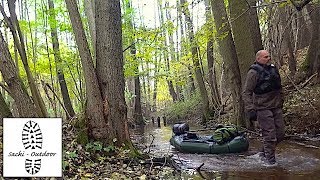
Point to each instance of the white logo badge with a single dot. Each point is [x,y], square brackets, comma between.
[32,147]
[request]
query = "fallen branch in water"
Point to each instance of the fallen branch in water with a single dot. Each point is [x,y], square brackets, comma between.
[198,168]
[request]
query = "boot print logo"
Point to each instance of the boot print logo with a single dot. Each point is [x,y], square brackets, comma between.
[32,139]
[32,147]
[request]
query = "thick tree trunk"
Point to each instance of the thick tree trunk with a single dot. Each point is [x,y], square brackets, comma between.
[196,63]
[303,36]
[239,14]
[254,27]
[286,25]
[110,65]
[58,61]
[229,55]
[312,60]
[98,127]
[18,92]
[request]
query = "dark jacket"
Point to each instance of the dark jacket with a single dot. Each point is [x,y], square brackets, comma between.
[257,100]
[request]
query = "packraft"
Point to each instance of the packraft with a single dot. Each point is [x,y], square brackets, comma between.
[225,139]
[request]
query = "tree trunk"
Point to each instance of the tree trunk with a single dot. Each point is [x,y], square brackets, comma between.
[4,109]
[19,43]
[171,53]
[155,86]
[312,59]
[254,27]
[89,11]
[137,112]
[229,55]
[303,36]
[184,50]
[18,92]
[196,63]
[216,101]
[58,61]
[99,129]
[110,66]
[286,25]
[239,14]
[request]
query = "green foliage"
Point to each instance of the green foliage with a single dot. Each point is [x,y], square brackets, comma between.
[94,146]
[97,147]
[284,4]
[71,155]
[81,126]
[184,109]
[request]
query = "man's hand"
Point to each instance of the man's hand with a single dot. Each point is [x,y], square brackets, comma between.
[252,114]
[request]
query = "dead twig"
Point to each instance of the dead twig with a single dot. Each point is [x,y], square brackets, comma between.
[60,102]
[247,130]
[198,168]
[306,82]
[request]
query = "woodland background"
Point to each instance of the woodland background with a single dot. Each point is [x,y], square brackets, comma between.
[104,66]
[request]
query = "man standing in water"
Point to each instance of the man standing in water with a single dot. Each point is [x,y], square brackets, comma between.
[263,99]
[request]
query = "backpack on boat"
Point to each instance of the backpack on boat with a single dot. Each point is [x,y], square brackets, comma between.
[224,134]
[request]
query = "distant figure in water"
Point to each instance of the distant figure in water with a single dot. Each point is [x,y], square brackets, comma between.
[263,100]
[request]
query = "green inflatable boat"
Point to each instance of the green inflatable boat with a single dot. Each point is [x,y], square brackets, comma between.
[223,140]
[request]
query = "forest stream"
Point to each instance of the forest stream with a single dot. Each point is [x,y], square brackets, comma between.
[296,159]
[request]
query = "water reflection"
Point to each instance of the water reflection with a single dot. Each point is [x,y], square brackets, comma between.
[295,161]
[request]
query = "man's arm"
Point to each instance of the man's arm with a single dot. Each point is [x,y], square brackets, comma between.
[247,93]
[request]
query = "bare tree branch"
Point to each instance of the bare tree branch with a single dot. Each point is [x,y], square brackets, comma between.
[299,5]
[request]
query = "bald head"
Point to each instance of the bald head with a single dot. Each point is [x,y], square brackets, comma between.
[263,57]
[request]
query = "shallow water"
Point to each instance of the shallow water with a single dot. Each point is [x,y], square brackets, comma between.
[295,160]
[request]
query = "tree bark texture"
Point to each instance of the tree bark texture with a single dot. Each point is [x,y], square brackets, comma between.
[312,61]
[110,65]
[18,92]
[254,27]
[286,25]
[304,34]
[239,14]
[98,127]
[229,55]
[89,11]
[4,109]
